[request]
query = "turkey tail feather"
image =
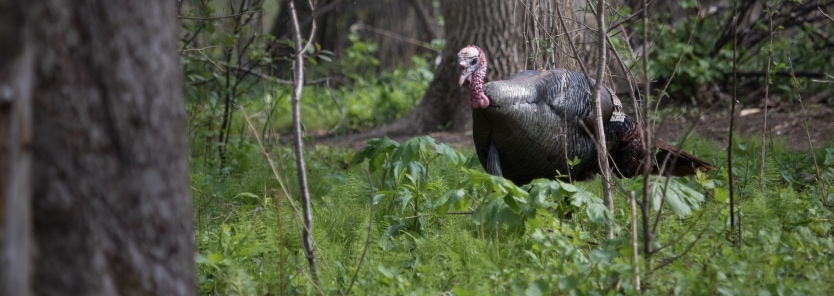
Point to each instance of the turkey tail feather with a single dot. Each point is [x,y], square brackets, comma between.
[629,154]
[673,162]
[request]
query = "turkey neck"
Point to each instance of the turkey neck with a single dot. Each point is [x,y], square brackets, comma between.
[477,98]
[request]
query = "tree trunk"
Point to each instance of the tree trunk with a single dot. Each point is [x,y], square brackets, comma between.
[113,210]
[15,153]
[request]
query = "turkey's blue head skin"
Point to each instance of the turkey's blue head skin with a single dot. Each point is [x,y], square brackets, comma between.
[473,65]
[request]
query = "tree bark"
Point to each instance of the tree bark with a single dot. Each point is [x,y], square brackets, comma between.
[113,210]
[15,153]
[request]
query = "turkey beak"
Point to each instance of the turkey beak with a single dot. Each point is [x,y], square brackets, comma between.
[465,72]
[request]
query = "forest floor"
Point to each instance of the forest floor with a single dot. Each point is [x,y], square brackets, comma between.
[785,123]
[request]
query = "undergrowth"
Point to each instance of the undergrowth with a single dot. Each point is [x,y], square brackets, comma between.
[422,218]
[439,225]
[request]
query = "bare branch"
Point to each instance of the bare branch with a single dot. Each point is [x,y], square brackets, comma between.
[629,19]
[186,50]
[662,92]
[825,14]
[732,118]
[646,139]
[602,152]
[275,171]
[298,29]
[338,106]
[217,17]
[636,256]
[570,41]
[251,71]
[824,190]
[387,33]
[298,86]
[770,12]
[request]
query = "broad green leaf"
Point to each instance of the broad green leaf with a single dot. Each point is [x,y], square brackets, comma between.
[680,198]
[596,212]
[215,257]
[722,195]
[829,156]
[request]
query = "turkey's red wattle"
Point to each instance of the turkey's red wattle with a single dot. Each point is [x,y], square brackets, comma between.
[477,98]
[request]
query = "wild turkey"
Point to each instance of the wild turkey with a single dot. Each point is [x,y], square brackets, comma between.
[537,124]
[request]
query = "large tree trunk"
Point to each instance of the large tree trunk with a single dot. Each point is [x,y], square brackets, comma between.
[112,213]
[15,153]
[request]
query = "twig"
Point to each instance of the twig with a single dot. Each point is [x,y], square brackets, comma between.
[628,19]
[668,179]
[685,251]
[272,166]
[184,50]
[602,153]
[368,237]
[217,17]
[678,63]
[646,138]
[338,106]
[680,236]
[387,33]
[314,14]
[250,71]
[429,215]
[825,14]
[770,12]
[783,74]
[194,126]
[732,120]
[273,78]
[570,41]
[795,84]
[297,28]
[633,206]
[298,86]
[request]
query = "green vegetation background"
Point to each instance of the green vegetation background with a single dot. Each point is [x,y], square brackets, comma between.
[422,218]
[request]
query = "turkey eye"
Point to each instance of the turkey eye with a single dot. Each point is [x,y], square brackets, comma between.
[472,62]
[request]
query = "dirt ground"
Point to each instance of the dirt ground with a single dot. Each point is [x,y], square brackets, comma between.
[785,123]
[788,125]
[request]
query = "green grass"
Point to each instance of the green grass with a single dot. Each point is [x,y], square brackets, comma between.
[248,236]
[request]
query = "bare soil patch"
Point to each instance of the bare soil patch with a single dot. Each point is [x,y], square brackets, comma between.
[713,124]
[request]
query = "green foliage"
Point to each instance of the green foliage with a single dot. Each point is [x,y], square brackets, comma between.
[422,218]
[441,225]
[685,50]
[368,101]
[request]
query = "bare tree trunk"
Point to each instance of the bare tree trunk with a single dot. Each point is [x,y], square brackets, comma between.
[15,153]
[113,210]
